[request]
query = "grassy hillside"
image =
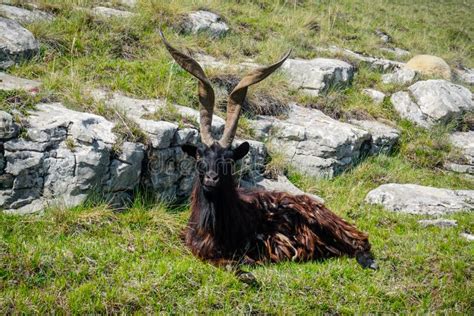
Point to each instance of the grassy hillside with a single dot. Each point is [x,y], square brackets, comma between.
[90,259]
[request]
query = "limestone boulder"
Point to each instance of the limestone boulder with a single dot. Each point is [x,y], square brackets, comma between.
[315,143]
[417,199]
[432,101]
[16,43]
[317,75]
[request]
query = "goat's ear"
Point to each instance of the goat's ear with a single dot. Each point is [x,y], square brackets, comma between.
[191,150]
[241,151]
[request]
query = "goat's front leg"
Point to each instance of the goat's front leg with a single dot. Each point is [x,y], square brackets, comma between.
[235,267]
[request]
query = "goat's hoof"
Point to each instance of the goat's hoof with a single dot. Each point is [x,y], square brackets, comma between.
[367,261]
[247,278]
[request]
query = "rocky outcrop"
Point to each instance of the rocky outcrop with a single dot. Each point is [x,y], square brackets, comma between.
[417,199]
[318,75]
[431,66]
[8,83]
[315,143]
[65,156]
[16,43]
[400,76]
[105,12]
[209,62]
[205,21]
[432,101]
[464,143]
[24,16]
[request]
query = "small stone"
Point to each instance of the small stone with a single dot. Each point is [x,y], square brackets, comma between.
[384,37]
[468,237]
[401,76]
[8,129]
[438,222]
[375,95]
[205,21]
[8,83]
[465,75]
[431,66]
[105,12]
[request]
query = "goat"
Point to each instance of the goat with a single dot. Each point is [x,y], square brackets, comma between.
[232,226]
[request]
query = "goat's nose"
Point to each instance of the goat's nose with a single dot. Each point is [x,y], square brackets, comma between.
[212,176]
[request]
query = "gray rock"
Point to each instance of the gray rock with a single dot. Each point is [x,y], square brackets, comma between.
[384,137]
[318,75]
[384,37]
[401,76]
[375,95]
[432,101]
[281,184]
[125,170]
[417,199]
[105,12]
[16,43]
[315,143]
[24,16]
[464,142]
[205,21]
[66,157]
[438,222]
[468,237]
[8,129]
[465,75]
[53,118]
[8,83]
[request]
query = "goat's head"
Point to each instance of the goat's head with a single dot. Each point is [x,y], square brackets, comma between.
[215,157]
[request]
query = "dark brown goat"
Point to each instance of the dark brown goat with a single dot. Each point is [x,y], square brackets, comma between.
[230,225]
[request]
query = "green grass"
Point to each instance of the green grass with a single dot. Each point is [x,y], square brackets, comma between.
[92,260]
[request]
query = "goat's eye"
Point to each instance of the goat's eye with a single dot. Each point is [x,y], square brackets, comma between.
[201,166]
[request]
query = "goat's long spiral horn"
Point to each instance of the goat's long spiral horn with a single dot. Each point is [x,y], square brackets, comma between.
[237,97]
[206,93]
